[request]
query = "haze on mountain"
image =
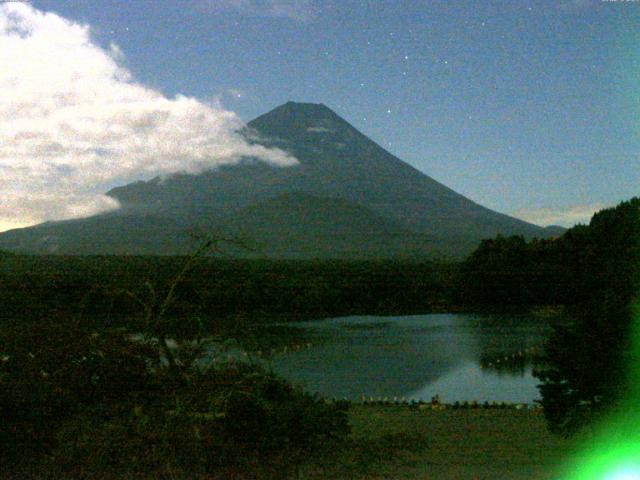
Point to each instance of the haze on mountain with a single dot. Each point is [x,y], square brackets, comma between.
[347,198]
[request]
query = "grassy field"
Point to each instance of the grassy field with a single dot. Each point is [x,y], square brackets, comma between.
[398,442]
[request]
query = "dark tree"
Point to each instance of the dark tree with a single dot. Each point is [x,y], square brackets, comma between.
[587,357]
[510,272]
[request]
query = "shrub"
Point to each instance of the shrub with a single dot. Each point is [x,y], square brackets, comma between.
[241,418]
[50,370]
[83,403]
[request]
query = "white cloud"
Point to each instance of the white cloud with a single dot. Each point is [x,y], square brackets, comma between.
[4,225]
[300,10]
[74,123]
[566,217]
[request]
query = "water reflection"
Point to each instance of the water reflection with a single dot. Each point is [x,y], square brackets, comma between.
[469,382]
[459,357]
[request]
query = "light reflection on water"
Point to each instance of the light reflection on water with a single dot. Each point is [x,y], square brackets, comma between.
[470,382]
[418,357]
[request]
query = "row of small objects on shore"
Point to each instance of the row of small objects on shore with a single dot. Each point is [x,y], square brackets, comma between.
[437,406]
[520,355]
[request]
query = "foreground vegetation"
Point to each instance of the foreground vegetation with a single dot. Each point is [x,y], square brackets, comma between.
[77,402]
[101,371]
[384,442]
[84,398]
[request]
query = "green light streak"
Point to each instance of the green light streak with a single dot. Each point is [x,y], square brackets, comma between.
[614,452]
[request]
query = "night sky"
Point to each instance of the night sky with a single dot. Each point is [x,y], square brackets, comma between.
[528,107]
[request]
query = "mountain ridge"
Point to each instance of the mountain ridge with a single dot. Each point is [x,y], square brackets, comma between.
[337,163]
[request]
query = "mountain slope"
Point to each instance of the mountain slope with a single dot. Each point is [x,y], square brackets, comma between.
[336,161]
[299,225]
[102,234]
[337,164]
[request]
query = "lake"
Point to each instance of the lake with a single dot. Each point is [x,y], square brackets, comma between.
[460,357]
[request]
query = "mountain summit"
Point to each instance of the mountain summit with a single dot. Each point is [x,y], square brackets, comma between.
[347,198]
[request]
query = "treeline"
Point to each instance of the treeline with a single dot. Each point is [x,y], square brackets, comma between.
[567,270]
[592,269]
[590,359]
[511,272]
[115,287]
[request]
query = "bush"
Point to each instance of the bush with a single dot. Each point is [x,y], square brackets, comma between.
[82,400]
[51,370]
[240,418]
[84,403]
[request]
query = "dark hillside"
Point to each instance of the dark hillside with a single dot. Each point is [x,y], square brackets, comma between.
[350,182]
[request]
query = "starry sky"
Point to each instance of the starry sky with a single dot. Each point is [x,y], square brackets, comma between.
[531,108]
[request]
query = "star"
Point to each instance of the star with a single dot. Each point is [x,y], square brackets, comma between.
[406,57]
[388,111]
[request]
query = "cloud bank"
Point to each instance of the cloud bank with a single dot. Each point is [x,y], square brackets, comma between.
[566,217]
[74,123]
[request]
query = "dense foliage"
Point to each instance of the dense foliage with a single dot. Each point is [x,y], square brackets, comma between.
[587,359]
[593,271]
[511,272]
[77,402]
[216,288]
[80,397]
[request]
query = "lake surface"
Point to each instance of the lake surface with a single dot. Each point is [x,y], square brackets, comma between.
[457,356]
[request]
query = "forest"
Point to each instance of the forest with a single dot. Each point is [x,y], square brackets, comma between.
[80,395]
[593,271]
[218,288]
